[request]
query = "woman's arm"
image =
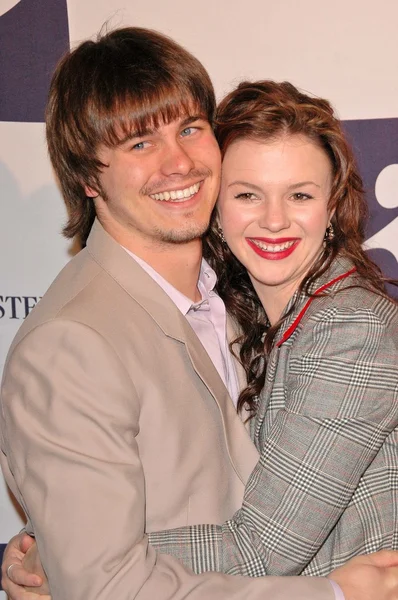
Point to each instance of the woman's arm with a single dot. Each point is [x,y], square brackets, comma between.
[338,404]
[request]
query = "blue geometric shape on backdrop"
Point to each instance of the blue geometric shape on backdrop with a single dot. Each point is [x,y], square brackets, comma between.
[34,34]
[375,143]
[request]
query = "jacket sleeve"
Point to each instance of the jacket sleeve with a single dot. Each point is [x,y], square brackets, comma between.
[70,436]
[336,399]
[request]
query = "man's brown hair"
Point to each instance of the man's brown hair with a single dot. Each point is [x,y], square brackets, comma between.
[125,81]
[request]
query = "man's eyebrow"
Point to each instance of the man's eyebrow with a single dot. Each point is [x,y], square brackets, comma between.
[191,119]
[135,134]
[151,131]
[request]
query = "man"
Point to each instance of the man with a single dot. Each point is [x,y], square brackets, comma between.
[115,422]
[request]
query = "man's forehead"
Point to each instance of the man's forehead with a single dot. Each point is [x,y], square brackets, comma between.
[178,116]
[155,123]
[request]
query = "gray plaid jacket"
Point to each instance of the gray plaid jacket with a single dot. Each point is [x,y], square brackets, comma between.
[326,485]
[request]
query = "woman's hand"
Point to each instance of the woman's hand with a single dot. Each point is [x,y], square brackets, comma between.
[369,576]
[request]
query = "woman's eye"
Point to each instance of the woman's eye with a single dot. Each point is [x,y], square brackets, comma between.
[246,196]
[301,196]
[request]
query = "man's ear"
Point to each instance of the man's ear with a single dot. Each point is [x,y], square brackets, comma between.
[90,192]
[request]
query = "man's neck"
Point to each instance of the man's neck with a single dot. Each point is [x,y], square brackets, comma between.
[178,264]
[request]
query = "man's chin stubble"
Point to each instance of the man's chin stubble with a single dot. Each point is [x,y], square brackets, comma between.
[176,236]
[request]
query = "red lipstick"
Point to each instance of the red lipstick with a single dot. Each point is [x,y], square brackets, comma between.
[268,255]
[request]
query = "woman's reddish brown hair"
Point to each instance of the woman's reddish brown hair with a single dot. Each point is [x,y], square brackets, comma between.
[264,111]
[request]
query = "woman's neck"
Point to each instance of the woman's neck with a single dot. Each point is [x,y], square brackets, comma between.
[275,298]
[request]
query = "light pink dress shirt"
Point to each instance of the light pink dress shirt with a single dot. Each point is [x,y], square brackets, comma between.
[206,317]
[338,592]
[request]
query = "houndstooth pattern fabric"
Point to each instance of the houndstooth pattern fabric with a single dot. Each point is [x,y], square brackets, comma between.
[326,486]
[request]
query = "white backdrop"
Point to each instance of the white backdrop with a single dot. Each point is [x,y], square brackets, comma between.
[344,50]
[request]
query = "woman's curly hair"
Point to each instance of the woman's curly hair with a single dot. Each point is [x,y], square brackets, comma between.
[264,111]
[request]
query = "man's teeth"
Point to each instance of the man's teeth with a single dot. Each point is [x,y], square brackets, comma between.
[177,195]
[273,247]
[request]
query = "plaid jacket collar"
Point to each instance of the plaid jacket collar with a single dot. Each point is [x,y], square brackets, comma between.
[328,283]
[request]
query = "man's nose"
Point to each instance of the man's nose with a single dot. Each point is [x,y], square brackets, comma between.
[176,160]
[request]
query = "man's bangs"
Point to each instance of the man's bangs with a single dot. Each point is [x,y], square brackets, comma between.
[135,116]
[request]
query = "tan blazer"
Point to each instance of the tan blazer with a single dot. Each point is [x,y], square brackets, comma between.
[115,423]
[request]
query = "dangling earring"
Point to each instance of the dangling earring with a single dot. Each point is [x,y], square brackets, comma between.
[329,233]
[220,234]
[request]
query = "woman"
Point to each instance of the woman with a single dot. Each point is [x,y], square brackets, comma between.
[319,344]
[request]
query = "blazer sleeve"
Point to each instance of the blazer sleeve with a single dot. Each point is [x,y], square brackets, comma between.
[338,403]
[71,417]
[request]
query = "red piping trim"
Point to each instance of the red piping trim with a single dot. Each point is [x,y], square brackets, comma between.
[302,312]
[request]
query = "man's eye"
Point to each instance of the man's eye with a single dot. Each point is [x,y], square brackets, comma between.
[140,146]
[188,131]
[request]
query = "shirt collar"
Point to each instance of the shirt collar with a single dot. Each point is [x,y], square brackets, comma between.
[207,281]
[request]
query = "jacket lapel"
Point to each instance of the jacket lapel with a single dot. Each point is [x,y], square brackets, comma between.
[151,297]
[340,269]
[328,283]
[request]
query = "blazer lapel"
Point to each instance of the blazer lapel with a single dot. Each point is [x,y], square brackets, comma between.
[151,297]
[242,452]
[340,269]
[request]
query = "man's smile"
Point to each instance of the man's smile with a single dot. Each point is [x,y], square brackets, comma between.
[177,195]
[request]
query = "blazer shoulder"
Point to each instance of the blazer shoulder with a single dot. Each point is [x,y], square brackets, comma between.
[353,298]
[350,317]
[75,276]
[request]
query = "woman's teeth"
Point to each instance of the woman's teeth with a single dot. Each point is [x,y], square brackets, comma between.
[267,247]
